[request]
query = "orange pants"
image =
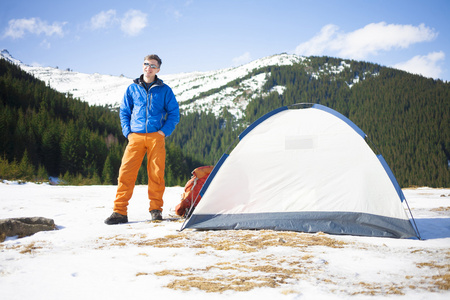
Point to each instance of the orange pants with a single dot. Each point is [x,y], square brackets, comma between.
[138,144]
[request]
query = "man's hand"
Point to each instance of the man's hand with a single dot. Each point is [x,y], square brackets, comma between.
[161,133]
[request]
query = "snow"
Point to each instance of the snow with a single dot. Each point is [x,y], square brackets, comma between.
[279,89]
[235,99]
[86,259]
[6,55]
[96,89]
[192,84]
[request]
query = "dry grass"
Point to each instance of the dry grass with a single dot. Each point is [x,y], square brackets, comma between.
[374,289]
[242,240]
[248,271]
[231,276]
[30,248]
[441,281]
[441,209]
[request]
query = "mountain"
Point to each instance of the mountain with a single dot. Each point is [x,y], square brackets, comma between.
[196,91]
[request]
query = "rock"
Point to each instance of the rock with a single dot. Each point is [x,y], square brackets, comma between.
[24,226]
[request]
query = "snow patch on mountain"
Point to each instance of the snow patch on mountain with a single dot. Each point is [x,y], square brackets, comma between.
[96,89]
[193,84]
[234,99]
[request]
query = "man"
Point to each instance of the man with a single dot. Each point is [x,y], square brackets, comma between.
[149,112]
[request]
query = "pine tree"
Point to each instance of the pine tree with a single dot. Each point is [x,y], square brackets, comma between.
[108,171]
[26,169]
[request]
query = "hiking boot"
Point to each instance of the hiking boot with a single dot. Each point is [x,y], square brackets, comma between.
[156,215]
[116,218]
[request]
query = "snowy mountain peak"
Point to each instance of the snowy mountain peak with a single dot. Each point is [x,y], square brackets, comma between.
[7,56]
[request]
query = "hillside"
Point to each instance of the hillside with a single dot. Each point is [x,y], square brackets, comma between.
[406,116]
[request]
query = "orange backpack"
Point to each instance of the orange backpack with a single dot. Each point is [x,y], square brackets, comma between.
[190,197]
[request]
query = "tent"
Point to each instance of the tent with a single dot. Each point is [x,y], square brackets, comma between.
[303,168]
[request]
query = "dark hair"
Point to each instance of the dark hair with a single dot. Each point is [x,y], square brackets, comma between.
[155,57]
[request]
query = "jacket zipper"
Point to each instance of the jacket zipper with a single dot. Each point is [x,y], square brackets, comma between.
[146,110]
[148,105]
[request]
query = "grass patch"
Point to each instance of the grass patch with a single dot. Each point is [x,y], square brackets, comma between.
[242,240]
[441,281]
[235,277]
[441,209]
[281,260]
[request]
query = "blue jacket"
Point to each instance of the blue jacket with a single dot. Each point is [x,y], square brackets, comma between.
[146,111]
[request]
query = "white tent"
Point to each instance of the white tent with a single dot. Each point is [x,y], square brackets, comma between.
[307,169]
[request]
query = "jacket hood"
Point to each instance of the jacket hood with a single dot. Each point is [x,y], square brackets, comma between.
[140,80]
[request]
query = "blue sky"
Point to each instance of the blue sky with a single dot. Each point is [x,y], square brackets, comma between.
[112,37]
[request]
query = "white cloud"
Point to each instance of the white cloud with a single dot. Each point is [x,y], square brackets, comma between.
[36,64]
[177,15]
[17,28]
[318,45]
[104,19]
[369,40]
[45,44]
[133,22]
[427,65]
[244,58]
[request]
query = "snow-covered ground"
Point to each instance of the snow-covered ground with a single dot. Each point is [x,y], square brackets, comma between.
[86,259]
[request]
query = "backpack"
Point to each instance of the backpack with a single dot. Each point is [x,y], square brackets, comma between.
[190,198]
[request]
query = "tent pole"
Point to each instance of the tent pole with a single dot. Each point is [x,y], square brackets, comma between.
[414,221]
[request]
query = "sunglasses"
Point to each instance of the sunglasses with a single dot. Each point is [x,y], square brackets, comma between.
[151,65]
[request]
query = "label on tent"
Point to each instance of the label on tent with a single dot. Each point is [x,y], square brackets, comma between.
[299,142]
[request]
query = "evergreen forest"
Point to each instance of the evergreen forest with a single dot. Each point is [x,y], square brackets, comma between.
[47,133]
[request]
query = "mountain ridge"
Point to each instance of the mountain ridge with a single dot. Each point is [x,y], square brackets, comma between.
[99,89]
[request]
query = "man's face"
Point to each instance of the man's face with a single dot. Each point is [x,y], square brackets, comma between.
[150,67]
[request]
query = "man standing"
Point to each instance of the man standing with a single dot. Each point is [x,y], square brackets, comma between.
[149,112]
